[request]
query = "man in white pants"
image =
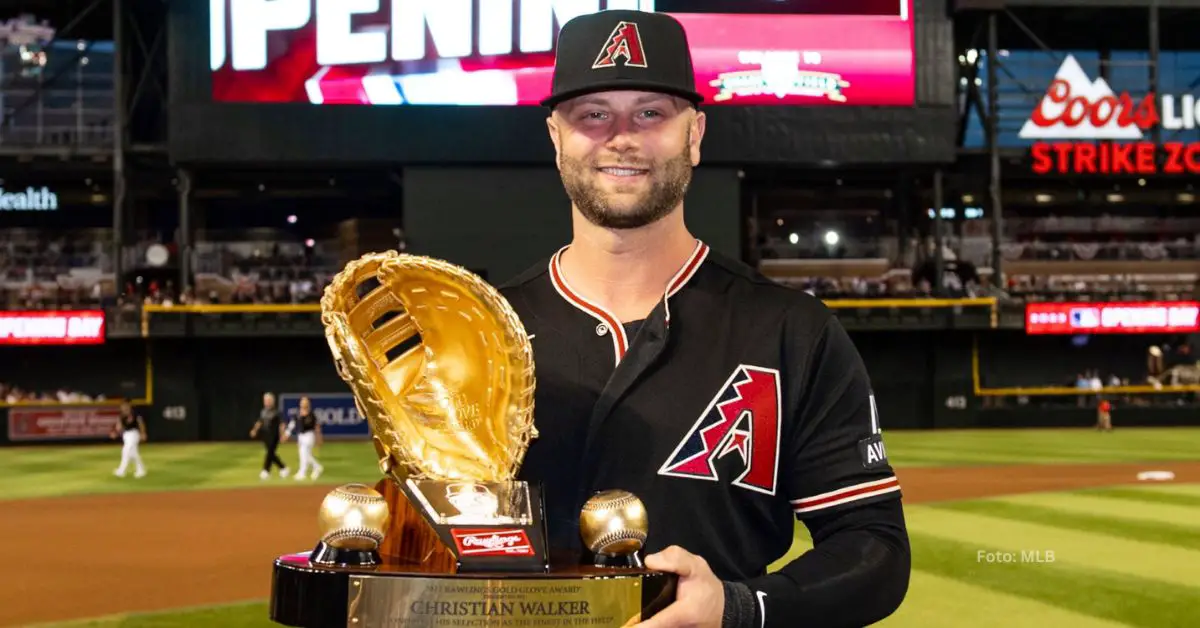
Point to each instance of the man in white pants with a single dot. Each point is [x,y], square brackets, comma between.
[308,434]
[132,430]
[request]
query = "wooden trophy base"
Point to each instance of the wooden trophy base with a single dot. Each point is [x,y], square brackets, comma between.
[430,573]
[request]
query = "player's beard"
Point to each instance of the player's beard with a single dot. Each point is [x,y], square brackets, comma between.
[669,181]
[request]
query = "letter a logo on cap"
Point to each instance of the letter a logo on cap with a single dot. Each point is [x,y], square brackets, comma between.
[625,41]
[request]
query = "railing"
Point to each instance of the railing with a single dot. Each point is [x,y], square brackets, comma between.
[1068,391]
[1109,251]
[1110,224]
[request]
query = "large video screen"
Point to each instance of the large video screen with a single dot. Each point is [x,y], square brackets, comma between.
[501,52]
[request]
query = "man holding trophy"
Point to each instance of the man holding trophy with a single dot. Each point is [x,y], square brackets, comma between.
[729,404]
[688,410]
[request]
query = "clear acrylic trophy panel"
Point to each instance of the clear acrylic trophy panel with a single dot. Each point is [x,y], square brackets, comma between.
[474,503]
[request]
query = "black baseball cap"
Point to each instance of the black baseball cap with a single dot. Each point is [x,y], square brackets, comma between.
[620,49]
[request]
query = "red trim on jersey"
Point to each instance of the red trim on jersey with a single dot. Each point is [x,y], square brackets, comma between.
[620,340]
[685,274]
[606,318]
[846,495]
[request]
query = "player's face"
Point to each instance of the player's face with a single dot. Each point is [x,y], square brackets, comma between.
[305,405]
[125,409]
[268,401]
[626,157]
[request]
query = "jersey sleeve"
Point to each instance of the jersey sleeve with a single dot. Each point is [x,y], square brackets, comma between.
[837,455]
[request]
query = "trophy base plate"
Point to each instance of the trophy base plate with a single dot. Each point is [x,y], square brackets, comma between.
[305,593]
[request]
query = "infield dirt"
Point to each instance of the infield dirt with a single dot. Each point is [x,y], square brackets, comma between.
[101,555]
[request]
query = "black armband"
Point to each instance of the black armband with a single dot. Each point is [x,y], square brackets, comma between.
[739,606]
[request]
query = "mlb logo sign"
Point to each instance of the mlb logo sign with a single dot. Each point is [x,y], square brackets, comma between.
[1087,318]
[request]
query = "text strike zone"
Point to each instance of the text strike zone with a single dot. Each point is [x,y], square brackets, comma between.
[1060,107]
[399,30]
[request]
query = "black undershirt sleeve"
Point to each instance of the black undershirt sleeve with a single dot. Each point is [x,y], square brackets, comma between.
[841,485]
[856,574]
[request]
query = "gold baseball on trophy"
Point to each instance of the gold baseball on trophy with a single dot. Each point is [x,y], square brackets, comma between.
[353,517]
[613,523]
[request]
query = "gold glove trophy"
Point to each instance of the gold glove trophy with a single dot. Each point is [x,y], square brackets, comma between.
[441,368]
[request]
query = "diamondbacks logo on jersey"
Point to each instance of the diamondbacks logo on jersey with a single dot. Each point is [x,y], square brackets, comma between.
[742,418]
[625,42]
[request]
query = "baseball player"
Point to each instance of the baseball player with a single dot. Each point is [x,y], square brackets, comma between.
[132,430]
[730,404]
[270,426]
[307,429]
[1104,416]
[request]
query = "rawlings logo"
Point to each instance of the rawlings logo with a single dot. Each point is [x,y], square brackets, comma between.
[492,542]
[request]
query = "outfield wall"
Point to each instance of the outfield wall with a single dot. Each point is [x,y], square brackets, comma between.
[211,388]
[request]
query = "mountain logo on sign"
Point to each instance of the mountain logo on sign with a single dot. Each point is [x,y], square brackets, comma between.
[1078,108]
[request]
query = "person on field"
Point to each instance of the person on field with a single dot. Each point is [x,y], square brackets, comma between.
[132,430]
[1104,416]
[270,426]
[307,429]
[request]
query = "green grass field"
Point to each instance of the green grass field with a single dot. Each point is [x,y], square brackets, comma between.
[1126,556]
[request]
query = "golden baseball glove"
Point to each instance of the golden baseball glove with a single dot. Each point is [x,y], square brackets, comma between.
[446,384]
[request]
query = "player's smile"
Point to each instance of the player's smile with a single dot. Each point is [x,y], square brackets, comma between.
[624,173]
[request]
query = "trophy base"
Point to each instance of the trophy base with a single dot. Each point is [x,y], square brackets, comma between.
[323,554]
[305,593]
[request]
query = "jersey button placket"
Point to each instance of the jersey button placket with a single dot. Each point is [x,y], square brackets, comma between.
[601,329]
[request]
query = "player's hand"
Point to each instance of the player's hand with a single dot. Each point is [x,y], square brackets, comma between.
[700,598]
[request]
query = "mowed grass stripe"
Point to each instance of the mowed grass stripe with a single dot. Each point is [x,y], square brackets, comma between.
[174,467]
[1139,495]
[233,615]
[1180,536]
[988,458]
[1102,594]
[1172,488]
[168,468]
[1152,561]
[65,460]
[1085,504]
[1047,446]
[1080,447]
[1075,453]
[935,601]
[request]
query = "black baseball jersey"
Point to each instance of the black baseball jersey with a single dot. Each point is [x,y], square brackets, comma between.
[306,423]
[735,407]
[128,422]
[270,424]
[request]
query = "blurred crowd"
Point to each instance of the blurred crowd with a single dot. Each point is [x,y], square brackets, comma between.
[12,393]
[73,270]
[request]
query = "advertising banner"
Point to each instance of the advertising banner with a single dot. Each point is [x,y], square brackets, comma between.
[66,423]
[29,199]
[336,412]
[1082,126]
[1148,317]
[52,327]
[502,52]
